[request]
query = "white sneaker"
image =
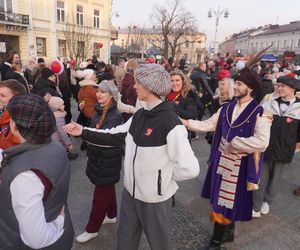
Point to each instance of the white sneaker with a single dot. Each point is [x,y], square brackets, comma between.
[255,214]
[109,220]
[85,236]
[265,208]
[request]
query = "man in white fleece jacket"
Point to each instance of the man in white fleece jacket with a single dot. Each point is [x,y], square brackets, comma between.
[157,155]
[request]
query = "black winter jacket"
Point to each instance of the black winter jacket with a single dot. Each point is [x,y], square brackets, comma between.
[285,132]
[186,107]
[44,86]
[104,163]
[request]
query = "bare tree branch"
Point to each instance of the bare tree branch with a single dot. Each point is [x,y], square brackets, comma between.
[78,40]
[177,25]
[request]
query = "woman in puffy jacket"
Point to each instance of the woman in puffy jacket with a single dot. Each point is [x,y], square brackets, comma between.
[104,163]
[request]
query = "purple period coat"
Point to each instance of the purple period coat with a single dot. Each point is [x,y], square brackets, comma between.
[243,126]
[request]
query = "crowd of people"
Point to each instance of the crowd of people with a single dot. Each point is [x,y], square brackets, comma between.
[148,114]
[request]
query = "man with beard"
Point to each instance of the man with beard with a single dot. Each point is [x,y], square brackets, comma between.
[242,132]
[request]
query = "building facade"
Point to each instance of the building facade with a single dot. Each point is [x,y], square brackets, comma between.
[285,41]
[39,28]
[140,41]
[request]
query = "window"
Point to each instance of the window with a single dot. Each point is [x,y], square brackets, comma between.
[79,15]
[62,48]
[80,49]
[278,45]
[187,44]
[284,44]
[41,46]
[60,12]
[298,43]
[96,50]
[291,44]
[6,5]
[96,19]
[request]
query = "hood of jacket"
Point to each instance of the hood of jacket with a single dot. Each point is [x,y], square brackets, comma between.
[86,82]
[44,83]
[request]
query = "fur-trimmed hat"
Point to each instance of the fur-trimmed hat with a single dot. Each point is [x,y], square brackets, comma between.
[249,77]
[155,78]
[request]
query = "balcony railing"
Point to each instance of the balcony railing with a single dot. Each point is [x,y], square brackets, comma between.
[14,18]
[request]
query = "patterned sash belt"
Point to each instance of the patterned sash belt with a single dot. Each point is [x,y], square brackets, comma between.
[228,168]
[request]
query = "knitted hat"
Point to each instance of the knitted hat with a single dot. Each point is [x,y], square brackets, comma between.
[290,81]
[86,74]
[155,78]
[34,119]
[41,60]
[240,65]
[46,72]
[110,87]
[249,77]
[106,76]
[55,103]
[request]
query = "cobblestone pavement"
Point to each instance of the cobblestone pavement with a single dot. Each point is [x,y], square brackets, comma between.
[187,231]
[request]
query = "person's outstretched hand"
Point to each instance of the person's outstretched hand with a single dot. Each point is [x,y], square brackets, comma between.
[73,128]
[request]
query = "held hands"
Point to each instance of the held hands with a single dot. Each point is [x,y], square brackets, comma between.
[228,148]
[73,128]
[184,122]
[70,147]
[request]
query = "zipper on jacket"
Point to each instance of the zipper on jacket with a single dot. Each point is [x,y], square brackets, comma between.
[159,182]
[133,161]
[133,191]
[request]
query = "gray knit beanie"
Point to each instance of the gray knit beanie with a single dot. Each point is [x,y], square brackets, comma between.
[110,87]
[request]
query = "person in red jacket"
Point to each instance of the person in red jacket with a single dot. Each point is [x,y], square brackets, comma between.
[8,89]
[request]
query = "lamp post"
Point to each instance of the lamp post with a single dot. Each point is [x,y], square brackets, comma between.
[116,14]
[218,13]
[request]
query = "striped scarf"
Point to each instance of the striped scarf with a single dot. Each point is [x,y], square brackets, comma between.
[228,168]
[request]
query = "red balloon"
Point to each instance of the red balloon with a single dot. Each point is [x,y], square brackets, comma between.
[57,67]
[72,62]
[100,45]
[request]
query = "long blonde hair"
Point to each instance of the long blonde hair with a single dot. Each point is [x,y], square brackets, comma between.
[186,85]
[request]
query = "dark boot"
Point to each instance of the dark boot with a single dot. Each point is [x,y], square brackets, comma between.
[217,238]
[229,233]
[72,156]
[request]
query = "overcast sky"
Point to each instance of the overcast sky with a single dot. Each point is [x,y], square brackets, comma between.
[243,14]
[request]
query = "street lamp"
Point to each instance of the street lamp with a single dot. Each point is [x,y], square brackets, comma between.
[218,13]
[116,14]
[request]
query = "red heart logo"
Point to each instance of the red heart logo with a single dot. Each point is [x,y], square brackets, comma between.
[148,131]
